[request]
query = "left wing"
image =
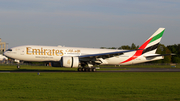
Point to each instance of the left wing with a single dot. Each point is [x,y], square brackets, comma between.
[105,55]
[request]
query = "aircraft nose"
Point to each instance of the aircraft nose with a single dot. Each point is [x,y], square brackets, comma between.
[5,53]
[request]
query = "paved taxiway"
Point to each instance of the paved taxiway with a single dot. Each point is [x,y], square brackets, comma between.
[127,70]
[146,70]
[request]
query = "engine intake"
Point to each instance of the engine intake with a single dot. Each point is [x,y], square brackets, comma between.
[70,62]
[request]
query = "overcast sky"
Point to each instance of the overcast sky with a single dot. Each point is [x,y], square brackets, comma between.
[88,23]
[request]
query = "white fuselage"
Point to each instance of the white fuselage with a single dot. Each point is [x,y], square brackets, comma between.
[54,53]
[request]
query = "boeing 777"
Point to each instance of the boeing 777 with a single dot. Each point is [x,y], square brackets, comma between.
[85,59]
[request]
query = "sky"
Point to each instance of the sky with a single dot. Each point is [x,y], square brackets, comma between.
[88,23]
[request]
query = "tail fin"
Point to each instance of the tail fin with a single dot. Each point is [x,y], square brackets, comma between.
[150,45]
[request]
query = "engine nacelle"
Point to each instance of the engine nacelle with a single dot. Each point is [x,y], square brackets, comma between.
[70,62]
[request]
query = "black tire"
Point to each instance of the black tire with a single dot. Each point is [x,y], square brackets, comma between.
[89,69]
[93,69]
[79,69]
[18,67]
[82,69]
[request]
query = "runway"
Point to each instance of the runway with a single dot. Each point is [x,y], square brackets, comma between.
[98,71]
[146,70]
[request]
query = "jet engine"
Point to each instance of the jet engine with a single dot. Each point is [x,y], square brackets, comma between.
[70,62]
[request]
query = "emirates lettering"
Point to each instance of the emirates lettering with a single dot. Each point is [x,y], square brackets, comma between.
[50,52]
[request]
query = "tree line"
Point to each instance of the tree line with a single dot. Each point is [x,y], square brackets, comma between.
[162,49]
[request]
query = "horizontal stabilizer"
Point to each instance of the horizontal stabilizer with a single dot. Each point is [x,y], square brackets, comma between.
[156,55]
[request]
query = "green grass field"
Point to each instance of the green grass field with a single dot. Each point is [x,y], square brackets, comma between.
[88,86]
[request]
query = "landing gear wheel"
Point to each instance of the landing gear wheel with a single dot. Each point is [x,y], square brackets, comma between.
[79,69]
[93,69]
[87,69]
[82,69]
[18,67]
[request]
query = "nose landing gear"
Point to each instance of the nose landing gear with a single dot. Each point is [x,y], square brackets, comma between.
[18,66]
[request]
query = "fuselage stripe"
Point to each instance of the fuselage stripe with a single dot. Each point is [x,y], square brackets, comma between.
[157,36]
[138,52]
[151,48]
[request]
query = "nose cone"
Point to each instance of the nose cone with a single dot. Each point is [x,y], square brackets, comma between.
[5,53]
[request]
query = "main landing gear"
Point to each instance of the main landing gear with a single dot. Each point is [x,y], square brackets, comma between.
[93,69]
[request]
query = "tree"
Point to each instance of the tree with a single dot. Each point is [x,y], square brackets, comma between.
[126,47]
[175,59]
[112,48]
[164,50]
[102,47]
[176,50]
[133,46]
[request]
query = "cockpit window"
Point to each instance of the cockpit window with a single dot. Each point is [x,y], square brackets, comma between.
[9,50]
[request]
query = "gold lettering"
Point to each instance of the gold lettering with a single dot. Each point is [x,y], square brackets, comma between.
[36,51]
[78,51]
[56,52]
[27,50]
[71,50]
[61,51]
[45,51]
[49,53]
[69,61]
[53,52]
[41,51]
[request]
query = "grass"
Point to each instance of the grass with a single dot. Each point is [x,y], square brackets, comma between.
[89,86]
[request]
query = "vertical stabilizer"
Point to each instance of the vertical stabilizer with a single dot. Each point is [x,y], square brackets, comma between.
[150,46]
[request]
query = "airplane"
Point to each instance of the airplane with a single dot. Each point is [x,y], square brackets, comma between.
[2,58]
[85,59]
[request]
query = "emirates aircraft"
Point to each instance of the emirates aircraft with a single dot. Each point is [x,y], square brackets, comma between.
[85,59]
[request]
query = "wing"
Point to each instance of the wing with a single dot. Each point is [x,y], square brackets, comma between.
[105,55]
